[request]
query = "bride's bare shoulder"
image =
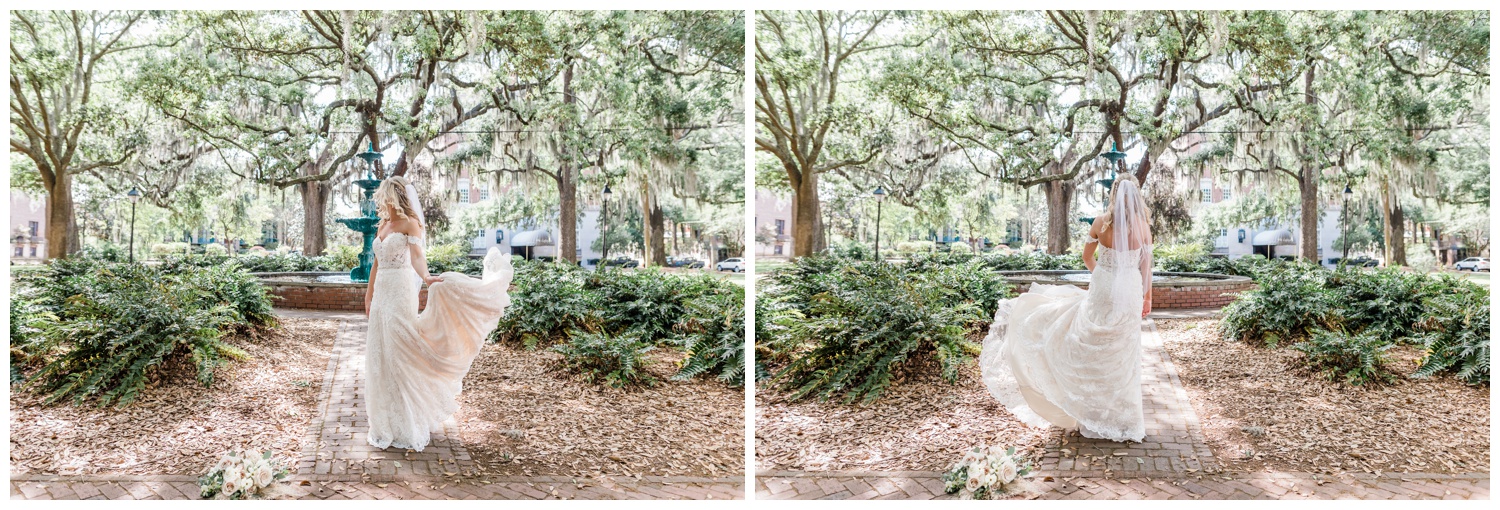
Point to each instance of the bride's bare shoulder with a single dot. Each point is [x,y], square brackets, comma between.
[406,226]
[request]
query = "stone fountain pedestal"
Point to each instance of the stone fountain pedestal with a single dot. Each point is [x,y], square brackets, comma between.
[366,225]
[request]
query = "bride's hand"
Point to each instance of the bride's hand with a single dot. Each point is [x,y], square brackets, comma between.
[1145,308]
[432,279]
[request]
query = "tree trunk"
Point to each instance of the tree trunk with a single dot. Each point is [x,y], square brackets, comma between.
[567,188]
[653,228]
[62,227]
[314,208]
[1395,228]
[1309,196]
[1309,185]
[807,217]
[1059,214]
[567,218]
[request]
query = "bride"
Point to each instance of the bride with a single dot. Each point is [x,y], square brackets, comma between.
[415,362]
[1059,355]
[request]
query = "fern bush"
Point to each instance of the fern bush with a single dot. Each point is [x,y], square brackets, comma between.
[1287,307]
[546,303]
[849,325]
[616,361]
[714,338]
[1456,334]
[109,326]
[1354,359]
[702,315]
[1385,302]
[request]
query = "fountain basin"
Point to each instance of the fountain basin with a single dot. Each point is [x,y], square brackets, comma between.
[1168,290]
[317,290]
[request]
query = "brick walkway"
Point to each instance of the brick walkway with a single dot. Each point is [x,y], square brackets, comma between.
[339,463]
[1172,462]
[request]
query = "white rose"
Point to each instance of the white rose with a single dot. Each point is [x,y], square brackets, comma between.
[264,476]
[997,451]
[232,484]
[972,484]
[972,457]
[1007,471]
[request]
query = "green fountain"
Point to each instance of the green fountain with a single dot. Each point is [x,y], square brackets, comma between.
[1114,156]
[369,220]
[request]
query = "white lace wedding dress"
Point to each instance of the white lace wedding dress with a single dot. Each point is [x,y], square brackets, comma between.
[1060,355]
[415,363]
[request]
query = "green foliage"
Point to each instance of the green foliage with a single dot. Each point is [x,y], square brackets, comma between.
[109,326]
[613,360]
[172,248]
[1286,307]
[343,257]
[915,246]
[1354,359]
[453,257]
[1034,262]
[714,337]
[704,316]
[846,326]
[547,301]
[1456,332]
[1294,302]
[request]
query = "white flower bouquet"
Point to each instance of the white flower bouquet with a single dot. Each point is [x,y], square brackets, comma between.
[240,475]
[986,472]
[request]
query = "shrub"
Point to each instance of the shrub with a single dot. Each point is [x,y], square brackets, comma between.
[172,248]
[714,337]
[1286,307]
[849,324]
[453,257]
[1385,302]
[915,246]
[112,325]
[852,250]
[1456,332]
[1034,262]
[342,257]
[1354,359]
[613,360]
[548,300]
[215,249]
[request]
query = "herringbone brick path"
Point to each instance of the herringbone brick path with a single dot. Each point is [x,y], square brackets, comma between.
[1172,462]
[339,463]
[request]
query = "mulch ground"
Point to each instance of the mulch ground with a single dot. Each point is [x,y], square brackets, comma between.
[178,426]
[1261,411]
[921,423]
[519,417]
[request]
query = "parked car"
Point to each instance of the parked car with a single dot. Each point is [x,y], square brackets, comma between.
[683,262]
[696,264]
[735,264]
[1360,261]
[622,261]
[1473,264]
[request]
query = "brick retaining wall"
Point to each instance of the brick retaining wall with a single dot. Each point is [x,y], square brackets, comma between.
[346,298]
[1177,296]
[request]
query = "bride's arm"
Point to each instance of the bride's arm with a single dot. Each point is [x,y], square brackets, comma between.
[419,262]
[1090,246]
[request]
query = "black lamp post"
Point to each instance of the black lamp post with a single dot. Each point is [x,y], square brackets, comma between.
[879,200]
[1347,193]
[135,196]
[604,214]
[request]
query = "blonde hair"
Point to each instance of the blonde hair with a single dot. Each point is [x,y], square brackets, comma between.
[391,199]
[1108,218]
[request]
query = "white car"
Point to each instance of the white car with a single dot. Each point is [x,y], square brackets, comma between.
[735,264]
[1473,264]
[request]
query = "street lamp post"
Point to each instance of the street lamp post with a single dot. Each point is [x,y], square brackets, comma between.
[1347,193]
[879,200]
[604,214]
[135,196]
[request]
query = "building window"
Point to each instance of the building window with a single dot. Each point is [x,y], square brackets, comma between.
[484,193]
[32,226]
[781,227]
[33,251]
[499,236]
[463,192]
[20,251]
[1208,195]
[1227,194]
[778,249]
